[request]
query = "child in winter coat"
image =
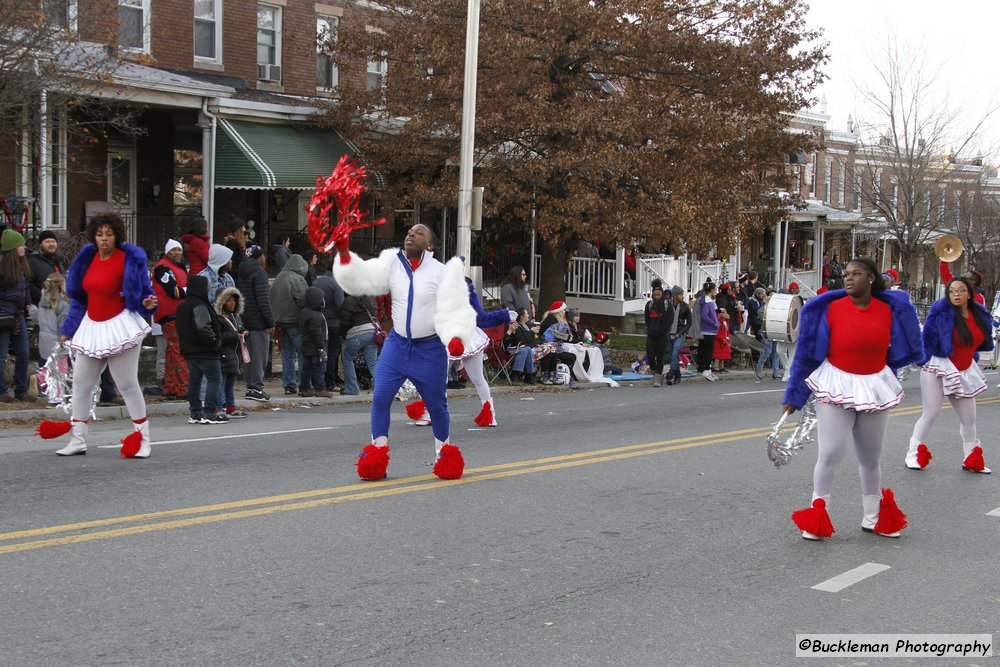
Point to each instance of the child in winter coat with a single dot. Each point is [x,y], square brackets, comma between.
[200,337]
[50,314]
[229,307]
[312,329]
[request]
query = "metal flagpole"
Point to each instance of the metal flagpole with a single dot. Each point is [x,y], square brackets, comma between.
[464,232]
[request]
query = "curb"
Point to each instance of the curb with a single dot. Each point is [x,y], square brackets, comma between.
[180,408]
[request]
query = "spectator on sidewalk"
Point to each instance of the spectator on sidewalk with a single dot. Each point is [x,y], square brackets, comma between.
[333,298]
[281,251]
[50,315]
[43,263]
[236,240]
[514,293]
[258,318]
[313,333]
[15,297]
[288,297]
[520,342]
[170,278]
[197,241]
[680,324]
[220,261]
[201,344]
[357,323]
[229,308]
[709,327]
[658,318]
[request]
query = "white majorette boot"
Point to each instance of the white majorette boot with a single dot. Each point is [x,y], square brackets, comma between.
[813,521]
[881,515]
[77,441]
[974,458]
[917,456]
[137,445]
[487,416]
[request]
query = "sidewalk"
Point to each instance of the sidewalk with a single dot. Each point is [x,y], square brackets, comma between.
[158,408]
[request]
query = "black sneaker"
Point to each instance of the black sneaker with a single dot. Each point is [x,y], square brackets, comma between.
[195,419]
[257,395]
[290,391]
[217,418]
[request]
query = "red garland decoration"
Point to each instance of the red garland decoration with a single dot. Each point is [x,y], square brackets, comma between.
[10,216]
[341,189]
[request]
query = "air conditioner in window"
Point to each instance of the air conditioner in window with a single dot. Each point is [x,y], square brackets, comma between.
[269,72]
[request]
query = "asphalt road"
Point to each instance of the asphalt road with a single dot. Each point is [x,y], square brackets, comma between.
[632,526]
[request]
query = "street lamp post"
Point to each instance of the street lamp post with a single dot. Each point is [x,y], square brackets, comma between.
[464,241]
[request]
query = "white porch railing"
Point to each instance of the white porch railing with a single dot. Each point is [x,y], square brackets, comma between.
[591,277]
[808,281]
[717,272]
[669,269]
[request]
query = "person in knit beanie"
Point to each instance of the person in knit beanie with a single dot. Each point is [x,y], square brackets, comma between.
[15,296]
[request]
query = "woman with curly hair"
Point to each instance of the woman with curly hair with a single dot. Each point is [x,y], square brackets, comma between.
[956,329]
[110,298]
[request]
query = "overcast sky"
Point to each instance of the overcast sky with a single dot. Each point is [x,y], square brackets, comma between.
[962,36]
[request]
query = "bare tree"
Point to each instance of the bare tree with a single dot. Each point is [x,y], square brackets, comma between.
[614,121]
[913,151]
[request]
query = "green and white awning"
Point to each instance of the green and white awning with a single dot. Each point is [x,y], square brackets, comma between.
[262,156]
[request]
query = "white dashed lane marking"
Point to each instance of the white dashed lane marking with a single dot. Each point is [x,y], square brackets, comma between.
[849,578]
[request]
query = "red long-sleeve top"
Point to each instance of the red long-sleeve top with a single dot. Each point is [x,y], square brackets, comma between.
[963,354]
[103,285]
[946,277]
[859,339]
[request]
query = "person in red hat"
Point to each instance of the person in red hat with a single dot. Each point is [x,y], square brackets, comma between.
[555,331]
[793,288]
[891,279]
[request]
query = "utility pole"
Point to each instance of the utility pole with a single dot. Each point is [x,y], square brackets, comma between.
[464,240]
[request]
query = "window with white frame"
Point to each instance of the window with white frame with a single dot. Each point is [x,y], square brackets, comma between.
[814,175]
[268,43]
[828,181]
[842,185]
[208,30]
[377,72]
[55,217]
[327,76]
[133,24]
[60,13]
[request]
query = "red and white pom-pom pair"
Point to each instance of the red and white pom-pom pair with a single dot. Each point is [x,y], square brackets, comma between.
[134,446]
[918,456]
[881,516]
[373,462]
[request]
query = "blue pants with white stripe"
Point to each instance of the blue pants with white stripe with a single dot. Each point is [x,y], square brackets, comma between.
[425,363]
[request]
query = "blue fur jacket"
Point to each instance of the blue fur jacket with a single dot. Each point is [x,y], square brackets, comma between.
[905,347]
[484,320]
[135,289]
[938,327]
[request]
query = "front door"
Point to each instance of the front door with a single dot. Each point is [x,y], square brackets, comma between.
[122,185]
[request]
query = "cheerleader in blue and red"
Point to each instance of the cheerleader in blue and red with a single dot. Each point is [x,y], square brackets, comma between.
[110,297]
[956,329]
[851,342]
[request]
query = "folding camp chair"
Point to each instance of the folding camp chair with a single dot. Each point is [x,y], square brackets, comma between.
[497,359]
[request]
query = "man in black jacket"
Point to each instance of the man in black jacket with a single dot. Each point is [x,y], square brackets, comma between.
[679,326]
[312,329]
[43,263]
[201,344]
[659,319]
[333,298]
[257,318]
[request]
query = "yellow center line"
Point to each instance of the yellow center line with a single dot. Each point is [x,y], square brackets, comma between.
[363,491]
[367,486]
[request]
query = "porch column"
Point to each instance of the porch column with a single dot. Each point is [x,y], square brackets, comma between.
[620,274]
[44,165]
[207,125]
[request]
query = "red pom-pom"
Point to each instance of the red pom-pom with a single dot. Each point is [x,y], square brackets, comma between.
[131,444]
[890,518]
[924,455]
[485,416]
[415,410]
[48,430]
[974,461]
[814,519]
[373,462]
[455,347]
[450,463]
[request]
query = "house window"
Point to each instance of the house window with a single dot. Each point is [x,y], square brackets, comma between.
[133,24]
[814,175]
[268,43]
[188,182]
[377,72]
[208,30]
[828,181]
[327,75]
[842,185]
[60,13]
[56,215]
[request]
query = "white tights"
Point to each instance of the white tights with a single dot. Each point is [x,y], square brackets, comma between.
[125,371]
[932,396]
[835,428]
[474,369]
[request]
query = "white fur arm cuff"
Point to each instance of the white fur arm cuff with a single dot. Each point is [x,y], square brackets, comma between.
[365,277]
[455,317]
